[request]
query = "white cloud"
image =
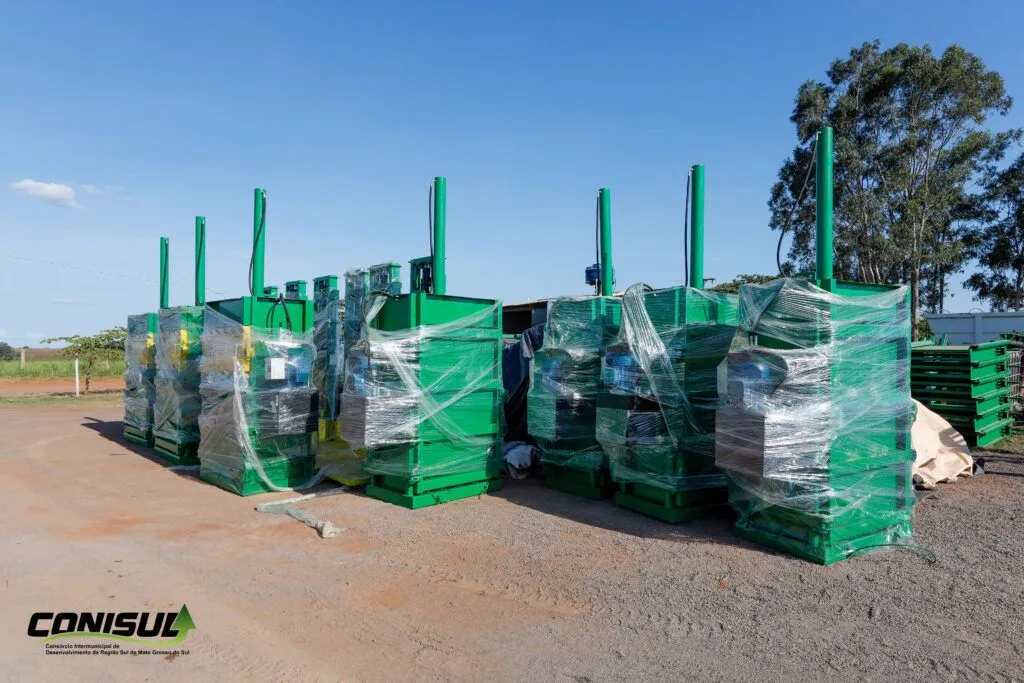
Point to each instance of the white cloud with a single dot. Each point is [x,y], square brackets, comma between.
[58,194]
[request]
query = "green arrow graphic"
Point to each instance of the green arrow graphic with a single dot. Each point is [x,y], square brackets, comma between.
[183,622]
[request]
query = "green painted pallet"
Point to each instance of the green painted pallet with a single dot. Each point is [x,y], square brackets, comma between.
[380,488]
[674,507]
[961,353]
[178,454]
[958,390]
[861,510]
[282,472]
[595,484]
[962,374]
[970,406]
[419,474]
[138,436]
[990,435]
[978,423]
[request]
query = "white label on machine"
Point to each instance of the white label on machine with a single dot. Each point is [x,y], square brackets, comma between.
[275,368]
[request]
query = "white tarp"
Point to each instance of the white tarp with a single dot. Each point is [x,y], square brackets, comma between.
[942,453]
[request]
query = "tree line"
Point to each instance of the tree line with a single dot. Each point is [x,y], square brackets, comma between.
[924,185]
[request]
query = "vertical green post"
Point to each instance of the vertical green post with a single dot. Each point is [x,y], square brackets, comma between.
[259,240]
[604,198]
[697,227]
[823,200]
[440,208]
[200,260]
[165,277]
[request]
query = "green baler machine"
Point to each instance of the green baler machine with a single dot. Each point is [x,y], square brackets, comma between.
[423,391]
[139,375]
[178,350]
[330,360]
[140,365]
[814,434]
[656,410]
[565,377]
[259,406]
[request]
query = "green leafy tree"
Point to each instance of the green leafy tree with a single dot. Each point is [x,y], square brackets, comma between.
[106,345]
[6,352]
[910,139]
[733,286]
[996,242]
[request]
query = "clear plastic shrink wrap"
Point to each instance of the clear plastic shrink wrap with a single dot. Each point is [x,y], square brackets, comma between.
[329,364]
[565,380]
[259,406]
[359,283]
[426,401]
[656,413]
[814,432]
[178,349]
[139,373]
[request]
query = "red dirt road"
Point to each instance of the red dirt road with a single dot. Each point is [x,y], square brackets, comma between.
[21,387]
[525,584]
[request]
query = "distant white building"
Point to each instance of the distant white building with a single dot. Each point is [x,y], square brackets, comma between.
[974,328]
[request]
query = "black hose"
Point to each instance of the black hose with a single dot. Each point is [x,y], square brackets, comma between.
[796,204]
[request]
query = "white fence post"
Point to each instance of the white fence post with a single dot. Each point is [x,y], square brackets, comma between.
[76,375]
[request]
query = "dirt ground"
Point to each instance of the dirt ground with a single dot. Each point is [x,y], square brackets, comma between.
[527,584]
[57,385]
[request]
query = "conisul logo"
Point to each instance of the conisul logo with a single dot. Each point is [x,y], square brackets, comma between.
[169,628]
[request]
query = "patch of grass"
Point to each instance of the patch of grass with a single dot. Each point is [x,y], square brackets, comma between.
[57,368]
[34,400]
[1011,444]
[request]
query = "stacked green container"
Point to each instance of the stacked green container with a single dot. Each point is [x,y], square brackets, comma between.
[177,404]
[423,391]
[968,385]
[258,423]
[327,336]
[259,406]
[656,412]
[359,284]
[814,434]
[423,394]
[565,380]
[139,375]
[178,350]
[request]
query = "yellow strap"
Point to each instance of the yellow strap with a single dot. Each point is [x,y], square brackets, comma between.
[248,352]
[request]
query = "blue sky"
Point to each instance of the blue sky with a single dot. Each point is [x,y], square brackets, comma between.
[151,113]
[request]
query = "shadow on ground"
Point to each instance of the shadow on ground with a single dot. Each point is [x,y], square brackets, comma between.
[532,493]
[996,461]
[113,431]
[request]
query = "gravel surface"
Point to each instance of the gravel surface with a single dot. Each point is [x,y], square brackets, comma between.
[527,584]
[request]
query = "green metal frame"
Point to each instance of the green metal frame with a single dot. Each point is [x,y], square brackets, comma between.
[265,313]
[431,468]
[179,337]
[565,427]
[832,532]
